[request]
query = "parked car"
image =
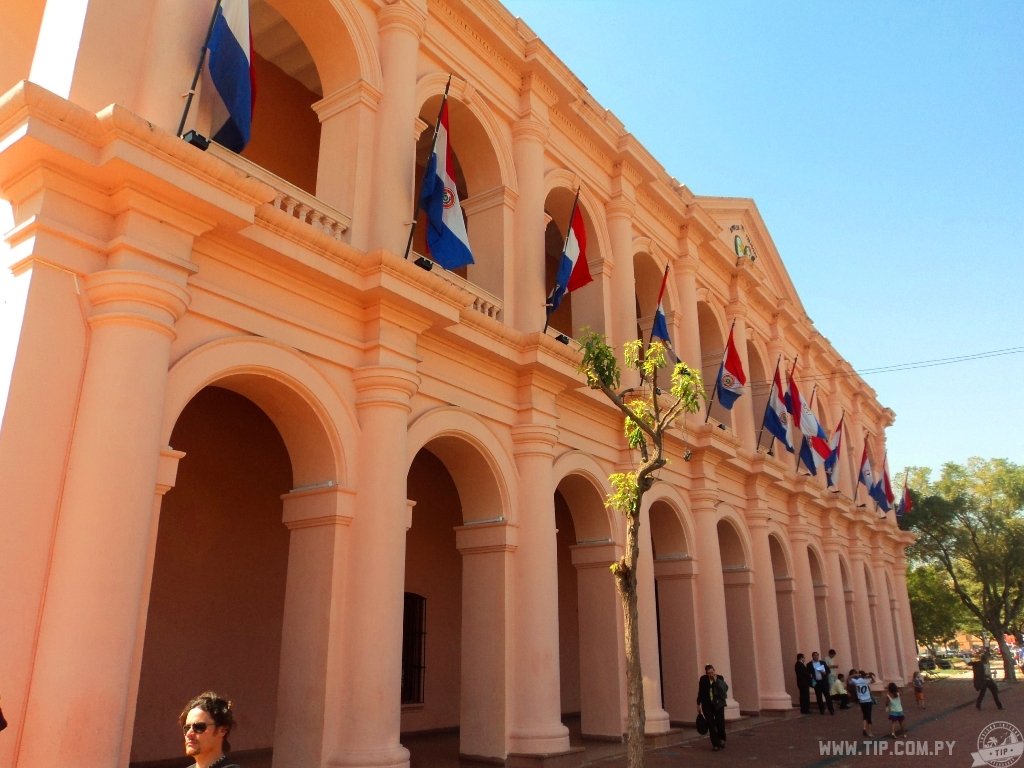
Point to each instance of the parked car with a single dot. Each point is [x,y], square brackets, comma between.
[924,663]
[944,663]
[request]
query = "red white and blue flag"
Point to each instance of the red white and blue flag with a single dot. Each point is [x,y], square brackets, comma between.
[814,450]
[731,378]
[447,240]
[659,329]
[832,465]
[776,416]
[573,270]
[906,503]
[865,476]
[881,491]
[231,74]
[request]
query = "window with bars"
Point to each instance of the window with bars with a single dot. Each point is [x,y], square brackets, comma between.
[414,648]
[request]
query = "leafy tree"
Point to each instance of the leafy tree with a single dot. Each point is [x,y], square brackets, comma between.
[936,610]
[971,524]
[649,413]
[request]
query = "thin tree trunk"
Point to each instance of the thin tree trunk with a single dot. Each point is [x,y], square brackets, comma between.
[626,584]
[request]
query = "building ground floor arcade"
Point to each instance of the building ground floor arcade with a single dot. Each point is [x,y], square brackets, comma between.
[350,572]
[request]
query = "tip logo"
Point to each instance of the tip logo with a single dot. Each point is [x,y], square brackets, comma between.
[1000,745]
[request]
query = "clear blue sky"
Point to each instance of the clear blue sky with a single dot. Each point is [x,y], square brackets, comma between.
[882,143]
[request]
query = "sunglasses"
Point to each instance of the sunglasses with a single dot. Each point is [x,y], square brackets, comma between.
[197,728]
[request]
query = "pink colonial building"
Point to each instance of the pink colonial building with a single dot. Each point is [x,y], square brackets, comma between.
[247,446]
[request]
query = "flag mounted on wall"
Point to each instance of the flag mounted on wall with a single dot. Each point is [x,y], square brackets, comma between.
[231,74]
[906,503]
[447,240]
[776,417]
[573,269]
[659,328]
[881,491]
[832,465]
[731,377]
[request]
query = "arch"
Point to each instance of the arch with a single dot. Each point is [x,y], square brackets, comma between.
[582,481]
[484,129]
[733,538]
[672,528]
[466,446]
[322,25]
[314,421]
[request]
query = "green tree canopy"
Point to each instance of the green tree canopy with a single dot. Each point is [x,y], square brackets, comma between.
[970,523]
[935,607]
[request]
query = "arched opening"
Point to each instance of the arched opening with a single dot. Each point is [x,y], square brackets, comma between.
[589,618]
[712,350]
[581,308]
[479,187]
[218,588]
[674,585]
[459,578]
[820,601]
[738,582]
[786,610]
[647,278]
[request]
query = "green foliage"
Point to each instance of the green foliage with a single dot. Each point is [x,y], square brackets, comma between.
[970,524]
[625,495]
[934,606]
[599,364]
[687,387]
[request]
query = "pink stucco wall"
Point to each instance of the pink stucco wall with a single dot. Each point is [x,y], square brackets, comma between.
[237,425]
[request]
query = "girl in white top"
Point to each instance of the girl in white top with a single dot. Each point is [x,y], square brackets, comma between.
[895,710]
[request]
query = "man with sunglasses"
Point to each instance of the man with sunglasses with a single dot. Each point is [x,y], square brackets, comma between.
[206,722]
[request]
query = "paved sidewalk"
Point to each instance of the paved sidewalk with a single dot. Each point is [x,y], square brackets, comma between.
[945,733]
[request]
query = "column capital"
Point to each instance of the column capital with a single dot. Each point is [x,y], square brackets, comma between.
[380,385]
[133,297]
[620,207]
[530,128]
[402,15]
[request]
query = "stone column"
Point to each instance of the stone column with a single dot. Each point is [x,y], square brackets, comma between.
[622,326]
[365,726]
[656,717]
[687,336]
[863,626]
[401,24]
[318,521]
[88,650]
[771,681]
[713,633]
[487,551]
[675,578]
[908,647]
[887,664]
[806,614]
[839,631]
[524,277]
[602,654]
[347,124]
[536,724]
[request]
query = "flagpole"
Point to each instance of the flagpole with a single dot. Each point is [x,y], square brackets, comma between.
[767,405]
[433,148]
[568,231]
[199,69]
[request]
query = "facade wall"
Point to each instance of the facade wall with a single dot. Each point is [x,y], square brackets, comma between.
[238,426]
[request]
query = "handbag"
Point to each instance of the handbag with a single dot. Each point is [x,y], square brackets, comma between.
[702,724]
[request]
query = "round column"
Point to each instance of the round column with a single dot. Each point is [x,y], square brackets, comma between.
[524,307]
[839,629]
[807,636]
[771,685]
[370,685]
[536,701]
[87,648]
[863,626]
[401,25]
[713,633]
